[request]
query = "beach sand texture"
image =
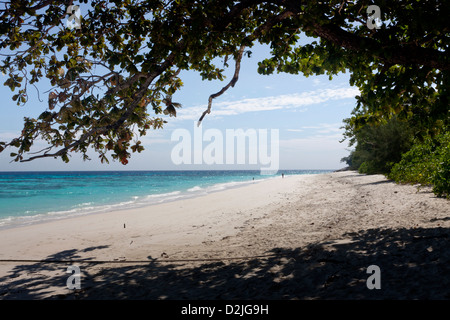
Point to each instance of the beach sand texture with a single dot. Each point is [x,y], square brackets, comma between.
[298,237]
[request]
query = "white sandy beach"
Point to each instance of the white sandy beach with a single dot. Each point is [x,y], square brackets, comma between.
[298,237]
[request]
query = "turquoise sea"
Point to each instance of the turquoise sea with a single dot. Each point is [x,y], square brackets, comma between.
[30,197]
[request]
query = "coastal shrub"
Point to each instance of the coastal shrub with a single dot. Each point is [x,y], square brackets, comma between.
[378,147]
[426,163]
[368,167]
[417,166]
[441,178]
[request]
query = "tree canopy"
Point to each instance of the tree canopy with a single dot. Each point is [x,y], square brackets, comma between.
[114,75]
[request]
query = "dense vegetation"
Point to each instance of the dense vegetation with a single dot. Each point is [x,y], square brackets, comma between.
[378,147]
[426,163]
[393,148]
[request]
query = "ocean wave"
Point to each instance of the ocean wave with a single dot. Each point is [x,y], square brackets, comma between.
[133,201]
[196,188]
[162,195]
[233,184]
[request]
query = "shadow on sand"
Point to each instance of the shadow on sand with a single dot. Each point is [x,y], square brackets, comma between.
[414,264]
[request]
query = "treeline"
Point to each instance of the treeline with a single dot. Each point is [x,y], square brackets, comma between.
[403,151]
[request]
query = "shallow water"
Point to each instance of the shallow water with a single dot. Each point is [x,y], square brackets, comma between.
[28,197]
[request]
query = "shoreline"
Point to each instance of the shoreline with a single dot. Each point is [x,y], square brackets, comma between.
[301,237]
[159,198]
[135,202]
[93,222]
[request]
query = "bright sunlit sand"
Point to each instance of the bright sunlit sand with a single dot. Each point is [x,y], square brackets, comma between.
[298,237]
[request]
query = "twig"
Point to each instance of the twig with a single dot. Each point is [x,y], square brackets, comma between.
[263,28]
[230,84]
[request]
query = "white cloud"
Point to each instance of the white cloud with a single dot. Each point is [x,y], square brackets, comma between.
[295,130]
[313,143]
[325,128]
[324,136]
[295,101]
[312,152]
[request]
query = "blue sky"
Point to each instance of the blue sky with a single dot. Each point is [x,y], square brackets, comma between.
[307,112]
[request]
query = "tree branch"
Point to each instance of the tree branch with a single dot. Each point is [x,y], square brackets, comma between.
[232,82]
[390,54]
[128,112]
[263,28]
